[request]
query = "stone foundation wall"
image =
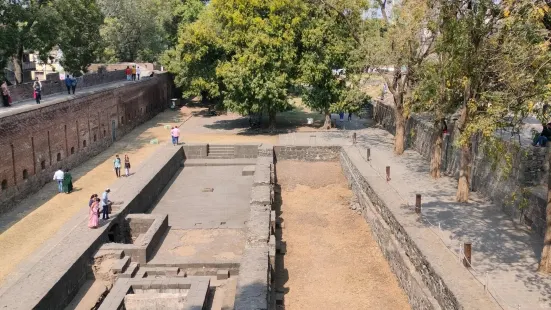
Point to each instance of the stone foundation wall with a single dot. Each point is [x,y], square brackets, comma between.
[258,260]
[399,250]
[36,142]
[506,179]
[307,153]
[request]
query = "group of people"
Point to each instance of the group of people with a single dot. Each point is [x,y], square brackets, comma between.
[133,74]
[97,205]
[70,82]
[117,165]
[64,181]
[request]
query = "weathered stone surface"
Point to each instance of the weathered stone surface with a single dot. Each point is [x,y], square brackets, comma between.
[307,153]
[252,284]
[262,175]
[261,195]
[248,170]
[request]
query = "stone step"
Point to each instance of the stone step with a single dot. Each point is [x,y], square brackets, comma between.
[121,265]
[220,156]
[219,162]
[221,153]
[130,270]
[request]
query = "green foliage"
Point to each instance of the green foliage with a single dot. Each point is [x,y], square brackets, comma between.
[141,30]
[80,39]
[195,58]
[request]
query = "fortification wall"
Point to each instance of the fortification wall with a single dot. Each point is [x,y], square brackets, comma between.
[46,137]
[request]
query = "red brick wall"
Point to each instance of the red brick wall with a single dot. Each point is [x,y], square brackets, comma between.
[37,135]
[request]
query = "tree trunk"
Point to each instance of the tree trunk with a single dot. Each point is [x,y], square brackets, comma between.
[400,137]
[272,120]
[545,263]
[464,174]
[436,157]
[18,66]
[327,123]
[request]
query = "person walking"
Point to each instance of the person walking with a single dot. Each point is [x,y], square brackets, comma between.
[58,176]
[175,133]
[117,166]
[93,220]
[67,182]
[349,116]
[105,204]
[37,87]
[68,84]
[138,72]
[128,73]
[73,84]
[134,73]
[127,165]
[6,99]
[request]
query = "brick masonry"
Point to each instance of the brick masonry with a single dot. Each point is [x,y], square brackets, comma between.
[508,188]
[53,84]
[37,142]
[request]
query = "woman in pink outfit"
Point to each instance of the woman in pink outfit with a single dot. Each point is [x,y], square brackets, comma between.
[93,221]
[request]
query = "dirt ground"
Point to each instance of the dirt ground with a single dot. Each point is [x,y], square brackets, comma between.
[332,260]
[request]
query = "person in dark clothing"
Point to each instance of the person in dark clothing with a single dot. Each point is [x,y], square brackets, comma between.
[544,136]
[68,83]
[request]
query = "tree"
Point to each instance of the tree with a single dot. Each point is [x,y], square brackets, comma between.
[30,26]
[141,30]
[403,43]
[80,39]
[326,45]
[194,60]
[261,37]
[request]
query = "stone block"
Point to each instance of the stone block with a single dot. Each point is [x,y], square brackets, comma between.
[154,301]
[252,284]
[248,170]
[262,175]
[261,195]
[222,274]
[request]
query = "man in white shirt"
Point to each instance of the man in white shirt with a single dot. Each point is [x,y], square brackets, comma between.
[58,176]
[138,72]
[105,203]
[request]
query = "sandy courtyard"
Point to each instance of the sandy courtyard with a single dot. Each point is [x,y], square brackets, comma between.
[332,259]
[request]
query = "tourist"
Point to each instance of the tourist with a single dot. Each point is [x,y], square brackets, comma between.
[349,116]
[74,84]
[67,182]
[105,204]
[133,73]
[138,72]
[37,87]
[68,84]
[117,166]
[58,176]
[92,199]
[175,134]
[128,73]
[93,220]
[6,98]
[127,165]
[544,136]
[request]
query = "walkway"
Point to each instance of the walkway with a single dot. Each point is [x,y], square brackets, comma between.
[26,105]
[507,254]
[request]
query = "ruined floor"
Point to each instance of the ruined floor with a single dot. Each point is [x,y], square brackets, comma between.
[332,259]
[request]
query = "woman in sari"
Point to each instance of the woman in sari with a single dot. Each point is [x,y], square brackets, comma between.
[93,220]
[67,182]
